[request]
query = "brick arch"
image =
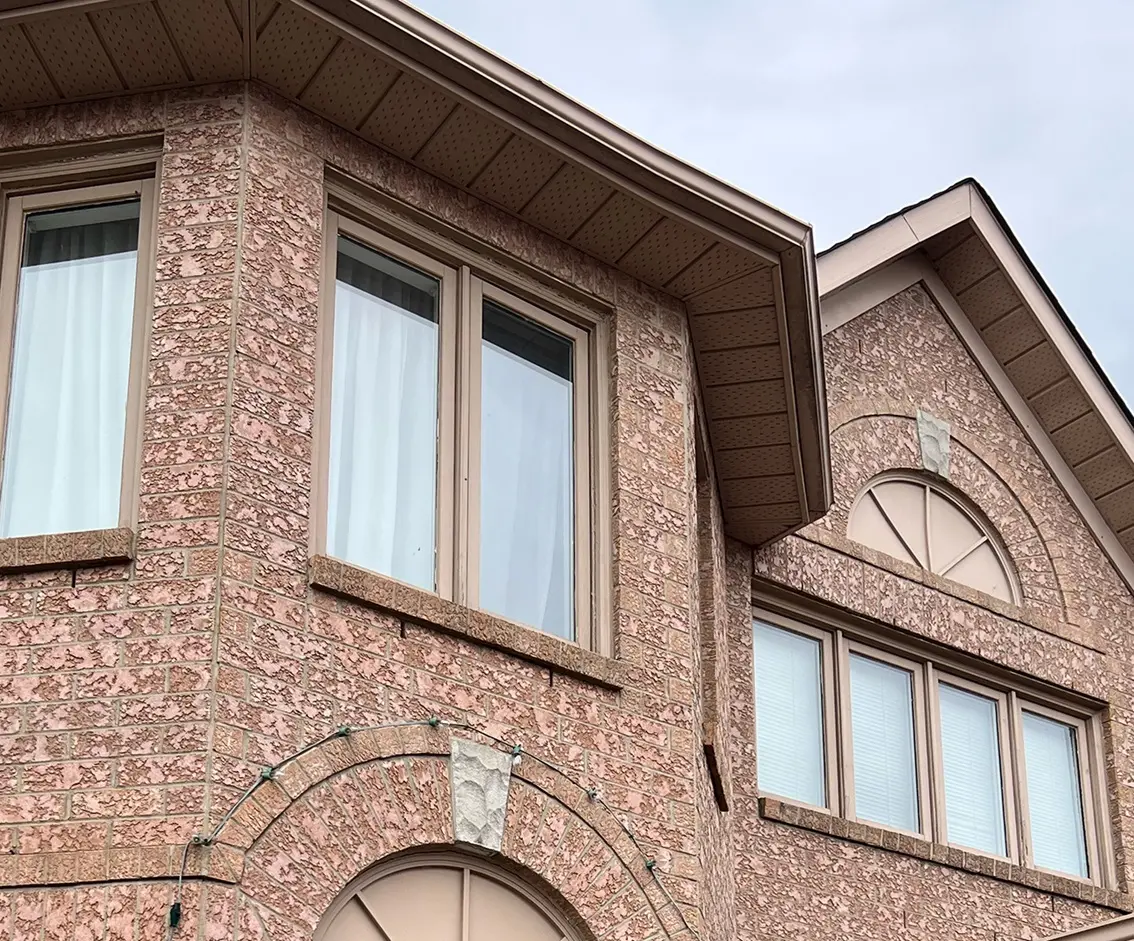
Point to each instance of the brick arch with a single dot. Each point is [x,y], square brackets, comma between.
[346,805]
[865,445]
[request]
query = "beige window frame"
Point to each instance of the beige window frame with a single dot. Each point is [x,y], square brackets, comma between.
[16,207]
[1084,747]
[1005,741]
[467,280]
[828,677]
[930,667]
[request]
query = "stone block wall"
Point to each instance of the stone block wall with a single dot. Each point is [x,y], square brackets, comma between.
[141,700]
[805,875]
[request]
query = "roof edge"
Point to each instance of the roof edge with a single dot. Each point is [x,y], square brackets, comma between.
[459,59]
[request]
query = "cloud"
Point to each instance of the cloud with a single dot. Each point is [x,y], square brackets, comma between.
[840,113]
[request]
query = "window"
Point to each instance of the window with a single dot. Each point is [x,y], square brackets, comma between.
[442,897]
[888,732]
[73,280]
[457,449]
[914,520]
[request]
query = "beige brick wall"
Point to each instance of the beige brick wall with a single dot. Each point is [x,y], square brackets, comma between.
[140,701]
[1073,630]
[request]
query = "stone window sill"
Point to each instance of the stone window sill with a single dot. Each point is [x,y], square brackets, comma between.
[427,609]
[868,835]
[66,550]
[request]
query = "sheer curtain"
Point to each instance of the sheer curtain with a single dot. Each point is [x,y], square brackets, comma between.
[885,769]
[970,753]
[527,474]
[789,714]
[1055,802]
[70,371]
[382,490]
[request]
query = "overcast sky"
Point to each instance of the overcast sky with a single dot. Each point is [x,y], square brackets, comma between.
[842,111]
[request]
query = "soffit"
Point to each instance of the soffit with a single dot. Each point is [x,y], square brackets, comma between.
[745,272]
[965,241]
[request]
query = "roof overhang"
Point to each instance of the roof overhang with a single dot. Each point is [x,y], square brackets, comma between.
[959,246]
[1117,929]
[392,75]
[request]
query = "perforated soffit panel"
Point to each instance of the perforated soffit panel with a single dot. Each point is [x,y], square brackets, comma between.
[752,304]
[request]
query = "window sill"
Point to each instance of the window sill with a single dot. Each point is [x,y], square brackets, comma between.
[870,835]
[66,550]
[427,609]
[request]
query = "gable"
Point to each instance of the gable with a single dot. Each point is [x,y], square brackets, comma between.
[957,246]
[903,356]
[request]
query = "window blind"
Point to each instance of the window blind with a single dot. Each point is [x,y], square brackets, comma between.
[789,714]
[1055,803]
[882,730]
[970,752]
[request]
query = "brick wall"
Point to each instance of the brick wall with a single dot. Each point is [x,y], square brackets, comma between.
[1073,630]
[143,700]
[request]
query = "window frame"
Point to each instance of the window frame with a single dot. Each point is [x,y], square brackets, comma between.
[1005,737]
[15,205]
[830,710]
[931,666]
[470,275]
[989,534]
[846,647]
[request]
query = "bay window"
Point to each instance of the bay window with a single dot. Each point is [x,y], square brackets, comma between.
[457,436]
[892,734]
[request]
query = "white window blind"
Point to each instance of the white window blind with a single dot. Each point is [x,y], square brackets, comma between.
[882,727]
[1055,805]
[789,714]
[970,751]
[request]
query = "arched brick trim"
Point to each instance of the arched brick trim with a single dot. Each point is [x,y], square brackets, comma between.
[334,812]
[864,446]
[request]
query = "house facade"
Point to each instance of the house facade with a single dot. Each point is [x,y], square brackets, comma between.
[428,511]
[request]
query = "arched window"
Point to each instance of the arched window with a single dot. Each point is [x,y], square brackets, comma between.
[913,519]
[440,898]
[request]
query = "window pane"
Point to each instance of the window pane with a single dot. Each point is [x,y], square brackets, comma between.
[789,714]
[970,749]
[885,767]
[70,371]
[527,503]
[1055,804]
[382,491]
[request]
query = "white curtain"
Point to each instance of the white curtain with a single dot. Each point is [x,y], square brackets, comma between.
[1055,803]
[789,715]
[70,371]
[382,490]
[526,487]
[970,752]
[885,769]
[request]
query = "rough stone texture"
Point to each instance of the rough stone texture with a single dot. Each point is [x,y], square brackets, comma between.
[140,700]
[933,437]
[479,778]
[800,876]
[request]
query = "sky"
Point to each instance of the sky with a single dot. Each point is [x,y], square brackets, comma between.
[843,111]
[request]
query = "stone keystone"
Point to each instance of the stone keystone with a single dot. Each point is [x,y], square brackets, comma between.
[479,778]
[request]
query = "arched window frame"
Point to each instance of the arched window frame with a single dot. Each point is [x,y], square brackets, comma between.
[468,864]
[988,533]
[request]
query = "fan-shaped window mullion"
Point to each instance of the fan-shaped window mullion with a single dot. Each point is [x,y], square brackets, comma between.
[894,527]
[953,563]
[906,517]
